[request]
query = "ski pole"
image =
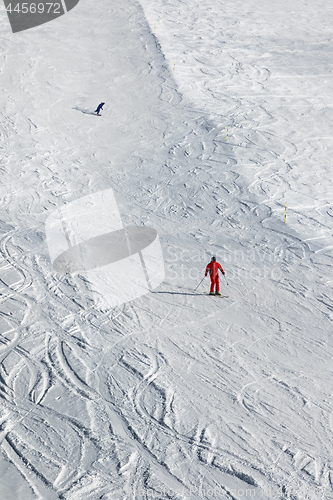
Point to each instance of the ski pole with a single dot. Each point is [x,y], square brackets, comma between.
[199,283]
[226,279]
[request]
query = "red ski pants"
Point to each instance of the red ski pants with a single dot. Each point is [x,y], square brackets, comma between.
[215,281]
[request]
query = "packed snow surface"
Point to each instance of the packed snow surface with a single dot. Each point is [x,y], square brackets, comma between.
[217,114]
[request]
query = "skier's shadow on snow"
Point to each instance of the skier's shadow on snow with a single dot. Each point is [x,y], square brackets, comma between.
[178,293]
[86,111]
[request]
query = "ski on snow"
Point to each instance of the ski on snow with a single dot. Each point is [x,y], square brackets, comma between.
[214,295]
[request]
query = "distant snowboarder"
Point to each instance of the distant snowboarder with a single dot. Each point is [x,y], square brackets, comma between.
[99,107]
[213,269]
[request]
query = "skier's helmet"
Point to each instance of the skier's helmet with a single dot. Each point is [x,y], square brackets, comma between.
[213,259]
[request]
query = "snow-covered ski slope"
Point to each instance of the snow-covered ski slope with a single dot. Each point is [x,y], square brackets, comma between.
[216,115]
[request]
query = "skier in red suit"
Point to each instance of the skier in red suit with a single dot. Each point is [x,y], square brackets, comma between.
[213,269]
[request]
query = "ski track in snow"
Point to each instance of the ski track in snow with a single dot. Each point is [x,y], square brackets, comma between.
[173,390]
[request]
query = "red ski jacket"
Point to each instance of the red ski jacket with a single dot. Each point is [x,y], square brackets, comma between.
[213,269]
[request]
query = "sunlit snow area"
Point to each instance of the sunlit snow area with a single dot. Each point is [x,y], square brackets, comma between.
[217,115]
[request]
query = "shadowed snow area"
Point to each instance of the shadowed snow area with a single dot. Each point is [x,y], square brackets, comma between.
[216,115]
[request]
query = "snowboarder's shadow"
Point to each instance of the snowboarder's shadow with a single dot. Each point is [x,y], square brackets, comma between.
[86,111]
